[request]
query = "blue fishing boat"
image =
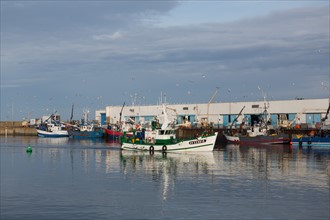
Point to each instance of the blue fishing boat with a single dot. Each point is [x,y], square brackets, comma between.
[321,138]
[320,141]
[86,131]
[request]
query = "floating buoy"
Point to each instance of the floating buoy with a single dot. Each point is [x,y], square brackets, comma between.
[29,149]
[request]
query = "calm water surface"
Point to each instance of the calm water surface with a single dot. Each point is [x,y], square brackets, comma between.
[83,179]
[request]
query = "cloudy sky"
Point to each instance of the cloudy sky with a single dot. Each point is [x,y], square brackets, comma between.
[97,53]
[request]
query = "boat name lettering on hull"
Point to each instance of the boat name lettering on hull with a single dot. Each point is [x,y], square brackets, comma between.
[197,142]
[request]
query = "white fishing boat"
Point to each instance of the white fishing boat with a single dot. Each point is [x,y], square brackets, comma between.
[230,135]
[52,130]
[231,138]
[164,139]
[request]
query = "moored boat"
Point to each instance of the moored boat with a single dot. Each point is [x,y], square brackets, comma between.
[52,128]
[258,133]
[164,139]
[321,141]
[265,139]
[86,131]
[263,135]
[230,137]
[321,138]
[115,131]
[113,135]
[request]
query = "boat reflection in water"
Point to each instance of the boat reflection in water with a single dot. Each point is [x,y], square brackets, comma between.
[35,141]
[166,168]
[268,165]
[279,162]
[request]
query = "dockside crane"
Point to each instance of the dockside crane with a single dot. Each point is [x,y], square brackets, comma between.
[51,116]
[239,114]
[326,114]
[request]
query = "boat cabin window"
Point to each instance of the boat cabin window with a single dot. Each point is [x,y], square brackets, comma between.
[170,132]
[166,132]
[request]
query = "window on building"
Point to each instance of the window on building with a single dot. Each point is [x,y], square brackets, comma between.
[185,108]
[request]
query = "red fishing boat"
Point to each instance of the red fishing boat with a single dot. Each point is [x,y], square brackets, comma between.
[115,131]
[112,134]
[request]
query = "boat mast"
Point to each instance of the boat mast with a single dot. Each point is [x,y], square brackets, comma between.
[120,115]
[266,116]
[71,114]
[166,120]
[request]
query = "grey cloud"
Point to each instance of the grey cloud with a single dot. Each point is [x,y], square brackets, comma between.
[234,45]
[55,16]
[107,51]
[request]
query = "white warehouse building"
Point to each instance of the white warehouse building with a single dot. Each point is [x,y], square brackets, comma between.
[310,112]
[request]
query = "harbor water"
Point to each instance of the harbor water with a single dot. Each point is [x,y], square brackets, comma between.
[62,178]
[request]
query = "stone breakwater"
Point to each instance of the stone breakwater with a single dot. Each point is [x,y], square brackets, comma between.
[16,129]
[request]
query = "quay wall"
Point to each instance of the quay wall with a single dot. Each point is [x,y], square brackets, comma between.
[15,128]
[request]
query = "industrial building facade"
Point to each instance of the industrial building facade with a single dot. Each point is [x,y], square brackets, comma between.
[308,112]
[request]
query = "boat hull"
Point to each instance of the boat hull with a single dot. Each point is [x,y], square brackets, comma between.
[86,134]
[232,139]
[112,135]
[311,141]
[199,144]
[268,139]
[61,133]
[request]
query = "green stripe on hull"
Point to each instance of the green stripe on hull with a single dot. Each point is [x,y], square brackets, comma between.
[188,148]
[168,150]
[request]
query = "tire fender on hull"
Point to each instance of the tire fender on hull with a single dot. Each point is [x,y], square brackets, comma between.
[164,148]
